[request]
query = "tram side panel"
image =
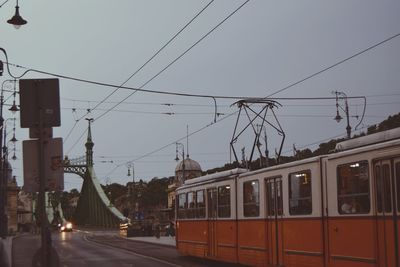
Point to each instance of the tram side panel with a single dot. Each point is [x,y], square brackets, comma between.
[252,229]
[385,175]
[192,227]
[286,228]
[351,226]
[192,238]
[227,240]
[303,242]
[207,224]
[303,225]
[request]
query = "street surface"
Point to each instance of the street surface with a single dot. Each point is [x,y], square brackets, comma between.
[77,249]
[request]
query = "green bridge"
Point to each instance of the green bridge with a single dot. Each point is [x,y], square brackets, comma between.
[94,209]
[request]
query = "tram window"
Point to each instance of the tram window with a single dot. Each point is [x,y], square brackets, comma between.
[200,204]
[383,189]
[353,188]
[397,175]
[251,199]
[300,197]
[224,201]
[182,205]
[190,212]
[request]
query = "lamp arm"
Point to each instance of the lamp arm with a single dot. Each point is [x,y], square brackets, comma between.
[8,67]
[363,114]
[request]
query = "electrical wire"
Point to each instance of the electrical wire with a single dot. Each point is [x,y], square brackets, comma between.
[156,54]
[187,94]
[140,68]
[171,63]
[3,3]
[276,92]
[177,58]
[194,95]
[334,65]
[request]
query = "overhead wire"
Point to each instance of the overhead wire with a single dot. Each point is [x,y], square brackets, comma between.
[156,54]
[141,67]
[173,62]
[177,58]
[187,94]
[276,92]
[193,95]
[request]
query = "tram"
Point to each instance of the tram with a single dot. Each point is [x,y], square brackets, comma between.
[340,209]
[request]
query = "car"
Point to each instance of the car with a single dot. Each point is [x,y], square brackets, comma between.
[65,227]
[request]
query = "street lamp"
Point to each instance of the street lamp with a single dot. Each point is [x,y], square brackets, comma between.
[17,20]
[338,118]
[3,171]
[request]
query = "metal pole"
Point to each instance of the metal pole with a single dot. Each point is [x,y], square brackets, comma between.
[3,191]
[348,128]
[45,233]
[3,176]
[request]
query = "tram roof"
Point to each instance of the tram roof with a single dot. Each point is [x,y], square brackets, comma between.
[214,176]
[284,165]
[366,148]
[368,139]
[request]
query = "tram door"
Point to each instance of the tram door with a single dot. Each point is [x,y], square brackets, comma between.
[212,221]
[386,221]
[274,220]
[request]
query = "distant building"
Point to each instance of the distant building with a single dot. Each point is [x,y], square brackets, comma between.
[25,211]
[12,199]
[185,170]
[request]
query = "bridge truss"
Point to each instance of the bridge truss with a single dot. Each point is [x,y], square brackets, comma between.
[94,209]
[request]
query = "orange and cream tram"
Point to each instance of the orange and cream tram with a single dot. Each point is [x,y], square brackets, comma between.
[340,209]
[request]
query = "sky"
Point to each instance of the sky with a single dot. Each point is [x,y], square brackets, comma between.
[275,49]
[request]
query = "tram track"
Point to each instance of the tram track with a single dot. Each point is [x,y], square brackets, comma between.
[140,249]
[164,255]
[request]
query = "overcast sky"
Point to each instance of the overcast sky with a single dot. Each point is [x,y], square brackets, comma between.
[262,48]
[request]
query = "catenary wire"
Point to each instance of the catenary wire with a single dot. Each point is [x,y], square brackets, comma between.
[143,65]
[156,54]
[187,94]
[180,94]
[173,62]
[177,58]
[276,92]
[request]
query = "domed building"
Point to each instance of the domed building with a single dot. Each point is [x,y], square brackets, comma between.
[184,170]
[187,169]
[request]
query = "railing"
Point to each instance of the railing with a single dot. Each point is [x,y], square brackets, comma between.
[75,161]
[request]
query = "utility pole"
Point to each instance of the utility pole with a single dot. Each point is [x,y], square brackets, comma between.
[181,179]
[40,111]
[266,148]
[338,118]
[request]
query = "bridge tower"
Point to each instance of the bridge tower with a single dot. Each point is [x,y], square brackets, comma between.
[94,209]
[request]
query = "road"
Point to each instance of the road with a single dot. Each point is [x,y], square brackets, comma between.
[77,249]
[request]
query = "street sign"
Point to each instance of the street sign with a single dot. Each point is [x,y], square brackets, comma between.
[46,133]
[36,96]
[53,165]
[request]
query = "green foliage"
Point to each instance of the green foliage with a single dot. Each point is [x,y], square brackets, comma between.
[114,190]
[155,194]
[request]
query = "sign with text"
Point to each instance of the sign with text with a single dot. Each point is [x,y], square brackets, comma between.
[39,100]
[53,165]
